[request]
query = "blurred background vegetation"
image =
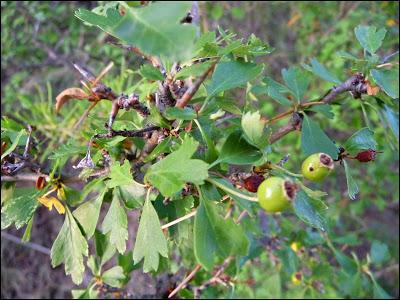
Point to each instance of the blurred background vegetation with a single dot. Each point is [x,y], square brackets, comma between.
[39,40]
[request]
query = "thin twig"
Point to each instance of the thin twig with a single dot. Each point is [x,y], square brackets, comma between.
[126,133]
[30,245]
[188,216]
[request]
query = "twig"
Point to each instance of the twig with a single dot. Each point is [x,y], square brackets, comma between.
[388,57]
[30,245]
[126,133]
[187,96]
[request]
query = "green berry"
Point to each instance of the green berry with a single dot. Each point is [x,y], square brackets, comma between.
[275,194]
[317,166]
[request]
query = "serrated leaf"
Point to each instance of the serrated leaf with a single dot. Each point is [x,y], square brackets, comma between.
[297,81]
[361,140]
[67,150]
[232,74]
[194,70]
[19,210]
[352,186]
[322,72]
[162,36]
[160,148]
[120,174]
[133,195]
[306,212]
[104,249]
[170,174]
[150,240]
[277,96]
[116,223]
[69,247]
[237,151]
[151,73]
[87,214]
[214,236]
[114,276]
[314,140]
[388,80]
[369,38]
[253,128]
[186,113]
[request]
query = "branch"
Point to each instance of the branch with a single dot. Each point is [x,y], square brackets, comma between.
[127,133]
[30,245]
[187,96]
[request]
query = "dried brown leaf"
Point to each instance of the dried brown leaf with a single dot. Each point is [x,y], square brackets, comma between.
[70,93]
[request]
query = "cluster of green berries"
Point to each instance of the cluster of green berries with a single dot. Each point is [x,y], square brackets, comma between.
[275,194]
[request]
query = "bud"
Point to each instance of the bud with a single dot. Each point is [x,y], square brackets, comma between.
[252,182]
[366,155]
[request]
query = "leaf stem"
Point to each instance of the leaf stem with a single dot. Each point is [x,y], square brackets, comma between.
[231,191]
[188,216]
[276,167]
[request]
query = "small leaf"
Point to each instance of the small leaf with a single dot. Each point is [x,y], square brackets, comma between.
[379,252]
[114,276]
[277,96]
[27,234]
[151,73]
[369,38]
[14,144]
[361,140]
[170,174]
[159,149]
[173,113]
[194,70]
[87,214]
[150,240]
[379,292]
[322,72]
[104,249]
[253,128]
[120,174]
[324,109]
[69,247]
[18,210]
[388,80]
[49,201]
[306,212]
[314,140]
[232,74]
[392,119]
[67,94]
[237,151]
[116,223]
[297,81]
[352,187]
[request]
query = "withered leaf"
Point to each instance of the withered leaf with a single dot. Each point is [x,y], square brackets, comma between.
[67,94]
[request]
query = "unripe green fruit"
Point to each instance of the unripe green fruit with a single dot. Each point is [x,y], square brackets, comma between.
[275,194]
[317,166]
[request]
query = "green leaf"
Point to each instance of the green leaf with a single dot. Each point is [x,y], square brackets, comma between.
[116,222]
[289,259]
[352,187]
[133,195]
[120,174]
[314,140]
[87,214]
[237,151]
[361,140]
[369,38]
[392,119]
[161,36]
[278,97]
[297,81]
[346,55]
[232,74]
[194,70]
[324,109]
[69,247]
[114,276]
[306,212]
[104,249]
[348,265]
[214,236]
[150,240]
[253,128]
[19,210]
[14,144]
[67,150]
[170,174]
[379,252]
[173,113]
[322,72]
[388,80]
[27,234]
[160,148]
[151,73]
[379,292]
